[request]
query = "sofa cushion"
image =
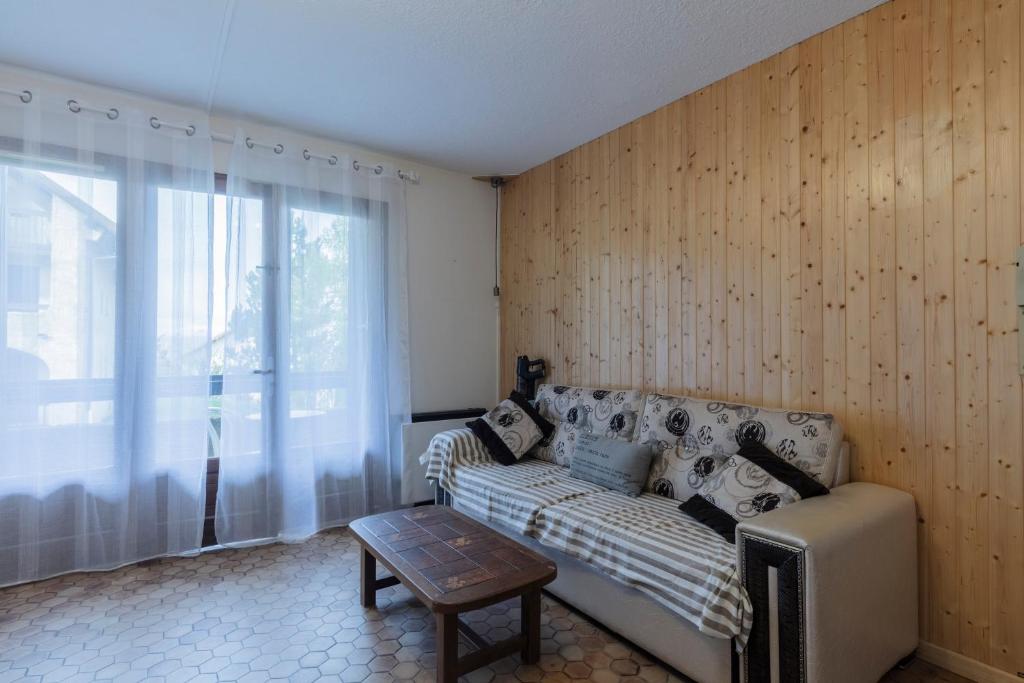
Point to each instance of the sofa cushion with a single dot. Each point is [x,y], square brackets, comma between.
[511,429]
[646,543]
[557,449]
[749,483]
[612,414]
[681,430]
[608,413]
[512,496]
[614,464]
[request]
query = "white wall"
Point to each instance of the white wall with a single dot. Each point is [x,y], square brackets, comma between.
[452,311]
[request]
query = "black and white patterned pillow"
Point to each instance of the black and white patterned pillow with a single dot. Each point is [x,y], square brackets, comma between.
[681,429]
[749,483]
[511,429]
[559,447]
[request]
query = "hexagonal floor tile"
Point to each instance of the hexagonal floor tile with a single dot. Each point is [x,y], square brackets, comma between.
[275,612]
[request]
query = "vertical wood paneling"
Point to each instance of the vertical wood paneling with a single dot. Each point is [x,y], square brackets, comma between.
[648,191]
[789,257]
[659,231]
[675,244]
[811,349]
[939,442]
[882,225]
[542,220]
[622,248]
[969,246]
[602,254]
[833,218]
[595,210]
[1002,191]
[637,256]
[734,237]
[752,200]
[614,255]
[690,247]
[584,262]
[771,210]
[914,468]
[704,161]
[568,312]
[718,239]
[833,228]
[627,173]
[858,242]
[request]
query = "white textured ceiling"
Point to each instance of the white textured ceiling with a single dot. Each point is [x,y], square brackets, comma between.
[482,86]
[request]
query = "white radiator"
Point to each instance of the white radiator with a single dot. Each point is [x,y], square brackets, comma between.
[415,437]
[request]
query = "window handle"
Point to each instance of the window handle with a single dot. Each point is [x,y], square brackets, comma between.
[262,372]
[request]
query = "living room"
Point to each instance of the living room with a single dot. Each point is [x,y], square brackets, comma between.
[512,341]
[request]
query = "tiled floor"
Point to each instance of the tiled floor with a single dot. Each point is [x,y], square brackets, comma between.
[273,612]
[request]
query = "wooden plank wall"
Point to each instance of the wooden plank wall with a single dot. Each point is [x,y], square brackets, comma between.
[834,229]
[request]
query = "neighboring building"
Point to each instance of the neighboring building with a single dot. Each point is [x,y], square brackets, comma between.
[59,288]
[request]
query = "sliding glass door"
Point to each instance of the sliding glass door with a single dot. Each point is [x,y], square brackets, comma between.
[290,341]
[315,374]
[289,332]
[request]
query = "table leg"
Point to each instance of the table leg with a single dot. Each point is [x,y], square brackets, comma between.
[447,627]
[368,579]
[530,614]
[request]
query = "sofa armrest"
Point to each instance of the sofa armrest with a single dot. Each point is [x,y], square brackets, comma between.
[845,566]
[447,451]
[453,446]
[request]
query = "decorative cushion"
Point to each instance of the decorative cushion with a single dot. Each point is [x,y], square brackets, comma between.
[559,447]
[679,470]
[751,482]
[608,413]
[682,430]
[511,428]
[618,465]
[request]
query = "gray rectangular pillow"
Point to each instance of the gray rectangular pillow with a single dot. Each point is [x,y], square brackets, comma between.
[619,465]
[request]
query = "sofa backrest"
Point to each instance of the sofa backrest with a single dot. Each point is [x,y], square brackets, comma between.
[692,437]
[611,413]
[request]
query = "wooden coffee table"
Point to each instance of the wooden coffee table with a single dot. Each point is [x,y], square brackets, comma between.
[454,564]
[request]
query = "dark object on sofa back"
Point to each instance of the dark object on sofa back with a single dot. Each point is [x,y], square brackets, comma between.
[527,373]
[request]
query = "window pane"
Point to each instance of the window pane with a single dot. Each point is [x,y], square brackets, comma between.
[183,242]
[241,299]
[58,248]
[239,339]
[319,291]
[319,335]
[219,252]
[182,323]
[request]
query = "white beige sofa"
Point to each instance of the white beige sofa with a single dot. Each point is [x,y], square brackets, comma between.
[821,591]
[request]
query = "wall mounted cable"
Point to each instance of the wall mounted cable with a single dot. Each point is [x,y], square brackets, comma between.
[496,183]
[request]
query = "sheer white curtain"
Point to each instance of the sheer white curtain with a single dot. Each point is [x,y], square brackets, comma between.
[316,377]
[104,336]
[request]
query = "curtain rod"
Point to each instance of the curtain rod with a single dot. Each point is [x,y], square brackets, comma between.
[112,113]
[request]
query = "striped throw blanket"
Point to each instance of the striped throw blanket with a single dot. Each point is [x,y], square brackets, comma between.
[643,542]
